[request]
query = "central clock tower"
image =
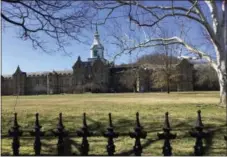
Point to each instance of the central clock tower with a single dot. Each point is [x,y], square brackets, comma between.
[97,49]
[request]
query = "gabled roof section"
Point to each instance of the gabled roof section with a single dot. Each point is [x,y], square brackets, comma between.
[78,61]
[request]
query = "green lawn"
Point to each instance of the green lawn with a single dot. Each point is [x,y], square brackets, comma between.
[182,108]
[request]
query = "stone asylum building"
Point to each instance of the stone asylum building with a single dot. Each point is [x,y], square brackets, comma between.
[94,75]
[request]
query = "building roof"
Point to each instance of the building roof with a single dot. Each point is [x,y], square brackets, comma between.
[41,73]
[119,68]
[87,63]
[64,72]
[44,73]
[18,70]
[7,76]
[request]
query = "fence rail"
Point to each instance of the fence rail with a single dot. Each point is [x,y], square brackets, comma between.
[139,133]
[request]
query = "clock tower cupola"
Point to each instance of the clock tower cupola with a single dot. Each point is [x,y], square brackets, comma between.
[97,49]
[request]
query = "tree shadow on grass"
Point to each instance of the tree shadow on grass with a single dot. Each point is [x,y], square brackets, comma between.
[211,135]
[130,152]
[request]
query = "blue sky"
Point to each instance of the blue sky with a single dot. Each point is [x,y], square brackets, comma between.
[20,52]
[16,51]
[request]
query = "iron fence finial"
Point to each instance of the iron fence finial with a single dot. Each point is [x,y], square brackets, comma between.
[166,122]
[199,123]
[15,133]
[60,133]
[84,133]
[15,120]
[167,136]
[37,125]
[137,120]
[110,134]
[110,120]
[84,120]
[37,133]
[199,134]
[138,134]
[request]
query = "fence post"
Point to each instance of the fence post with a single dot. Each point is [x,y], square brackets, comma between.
[61,133]
[199,135]
[167,136]
[137,134]
[110,134]
[15,133]
[37,133]
[84,133]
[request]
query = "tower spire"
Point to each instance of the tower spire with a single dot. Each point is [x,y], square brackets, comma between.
[96,47]
[18,70]
[96,36]
[96,31]
[96,27]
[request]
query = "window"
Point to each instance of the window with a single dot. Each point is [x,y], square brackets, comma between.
[95,52]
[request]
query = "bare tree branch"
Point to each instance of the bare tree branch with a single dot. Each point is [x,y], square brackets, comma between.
[58,20]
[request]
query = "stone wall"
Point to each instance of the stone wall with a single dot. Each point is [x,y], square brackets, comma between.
[65,83]
[36,84]
[7,86]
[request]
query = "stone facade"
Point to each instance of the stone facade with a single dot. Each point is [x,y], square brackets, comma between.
[90,76]
[94,75]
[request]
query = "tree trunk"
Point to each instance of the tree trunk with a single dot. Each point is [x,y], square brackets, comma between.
[168,88]
[223,89]
[223,96]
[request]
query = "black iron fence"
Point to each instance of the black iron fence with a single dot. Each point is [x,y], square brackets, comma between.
[139,133]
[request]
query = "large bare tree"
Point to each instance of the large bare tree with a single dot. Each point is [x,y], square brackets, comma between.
[210,15]
[44,21]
